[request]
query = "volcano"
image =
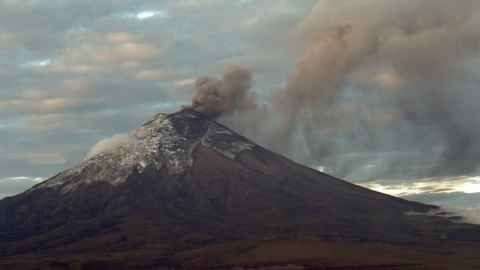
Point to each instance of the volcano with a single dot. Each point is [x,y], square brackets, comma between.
[187,192]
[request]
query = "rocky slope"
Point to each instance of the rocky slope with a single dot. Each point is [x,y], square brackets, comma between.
[185,182]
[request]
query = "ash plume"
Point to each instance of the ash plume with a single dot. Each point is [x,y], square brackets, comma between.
[380,77]
[216,97]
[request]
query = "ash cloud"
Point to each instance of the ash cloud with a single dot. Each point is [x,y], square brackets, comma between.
[378,76]
[216,97]
[423,47]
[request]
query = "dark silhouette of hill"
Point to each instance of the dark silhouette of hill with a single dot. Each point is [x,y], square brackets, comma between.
[188,192]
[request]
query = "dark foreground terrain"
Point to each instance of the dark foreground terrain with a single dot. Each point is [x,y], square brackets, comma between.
[259,254]
[187,192]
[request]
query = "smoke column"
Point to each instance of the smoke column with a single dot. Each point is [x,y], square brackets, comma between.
[379,76]
[217,97]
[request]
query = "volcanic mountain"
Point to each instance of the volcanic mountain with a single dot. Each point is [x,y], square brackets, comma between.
[186,191]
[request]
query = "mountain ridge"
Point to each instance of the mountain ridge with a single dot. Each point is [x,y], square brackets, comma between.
[187,182]
[147,148]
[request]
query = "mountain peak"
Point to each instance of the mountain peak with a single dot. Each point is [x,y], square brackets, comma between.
[183,181]
[164,141]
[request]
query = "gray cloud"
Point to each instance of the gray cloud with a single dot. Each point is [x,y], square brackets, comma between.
[45,158]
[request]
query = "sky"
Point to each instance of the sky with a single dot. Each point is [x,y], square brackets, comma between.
[396,110]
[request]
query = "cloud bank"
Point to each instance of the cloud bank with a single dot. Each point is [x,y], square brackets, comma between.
[45,158]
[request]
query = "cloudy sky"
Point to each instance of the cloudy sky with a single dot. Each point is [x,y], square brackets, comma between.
[74,72]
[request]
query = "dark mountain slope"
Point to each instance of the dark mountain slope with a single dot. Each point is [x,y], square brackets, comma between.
[186,182]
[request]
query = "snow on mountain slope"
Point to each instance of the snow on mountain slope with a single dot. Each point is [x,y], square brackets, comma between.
[158,143]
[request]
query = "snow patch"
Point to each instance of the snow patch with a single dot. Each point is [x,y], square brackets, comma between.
[155,145]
